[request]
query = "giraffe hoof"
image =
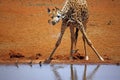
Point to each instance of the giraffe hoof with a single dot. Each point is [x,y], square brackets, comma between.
[47,61]
[86,58]
[101,59]
[71,57]
[75,51]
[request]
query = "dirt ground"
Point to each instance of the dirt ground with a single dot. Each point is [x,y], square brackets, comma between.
[25,34]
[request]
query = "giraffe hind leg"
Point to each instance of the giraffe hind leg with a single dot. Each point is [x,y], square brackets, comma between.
[72,42]
[76,36]
[75,41]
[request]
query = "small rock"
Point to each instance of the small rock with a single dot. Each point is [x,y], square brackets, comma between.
[38,55]
[12,54]
[109,22]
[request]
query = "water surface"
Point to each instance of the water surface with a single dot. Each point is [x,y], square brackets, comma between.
[60,72]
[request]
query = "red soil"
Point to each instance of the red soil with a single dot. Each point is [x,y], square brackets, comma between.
[24,30]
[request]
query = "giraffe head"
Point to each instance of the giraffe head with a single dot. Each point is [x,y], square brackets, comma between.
[56,15]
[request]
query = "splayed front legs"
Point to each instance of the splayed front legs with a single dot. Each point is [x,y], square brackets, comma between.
[74,41]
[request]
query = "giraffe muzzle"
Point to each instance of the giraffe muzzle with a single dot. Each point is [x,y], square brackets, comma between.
[53,23]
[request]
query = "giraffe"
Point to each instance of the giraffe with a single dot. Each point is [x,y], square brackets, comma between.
[74,15]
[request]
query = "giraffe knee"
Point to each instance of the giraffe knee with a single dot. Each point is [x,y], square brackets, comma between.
[57,44]
[89,42]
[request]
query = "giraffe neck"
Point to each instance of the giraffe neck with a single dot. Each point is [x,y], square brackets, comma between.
[65,7]
[69,3]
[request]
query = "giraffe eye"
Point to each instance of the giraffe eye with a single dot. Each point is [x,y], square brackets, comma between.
[58,16]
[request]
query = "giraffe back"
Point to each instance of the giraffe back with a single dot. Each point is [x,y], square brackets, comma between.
[79,7]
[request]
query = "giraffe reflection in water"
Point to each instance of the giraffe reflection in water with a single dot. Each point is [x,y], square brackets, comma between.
[74,75]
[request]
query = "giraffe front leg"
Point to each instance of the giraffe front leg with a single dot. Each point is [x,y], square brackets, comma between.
[84,42]
[85,50]
[81,27]
[57,44]
[91,45]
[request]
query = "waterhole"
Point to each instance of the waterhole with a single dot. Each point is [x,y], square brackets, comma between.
[60,72]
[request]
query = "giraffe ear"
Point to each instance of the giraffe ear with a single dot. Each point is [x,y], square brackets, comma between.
[48,11]
[57,8]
